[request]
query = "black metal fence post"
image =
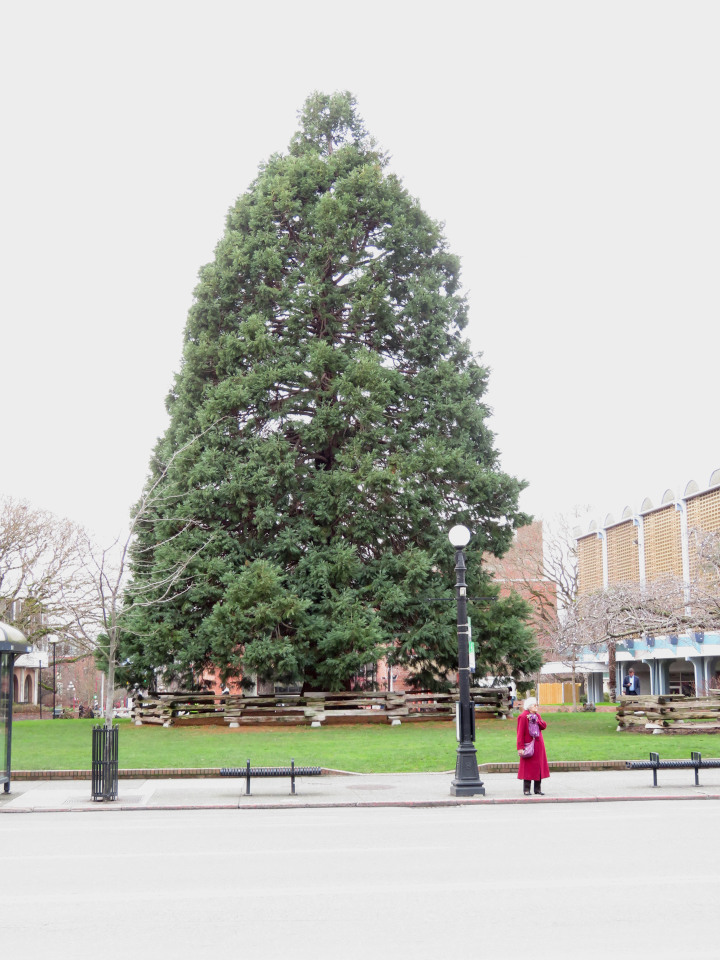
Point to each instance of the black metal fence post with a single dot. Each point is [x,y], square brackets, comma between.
[105,763]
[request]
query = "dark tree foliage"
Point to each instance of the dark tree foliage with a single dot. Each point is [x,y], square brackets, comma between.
[339,430]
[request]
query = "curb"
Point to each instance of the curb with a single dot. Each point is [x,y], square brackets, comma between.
[359,804]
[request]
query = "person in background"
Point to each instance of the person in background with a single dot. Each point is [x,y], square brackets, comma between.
[529,731]
[631,684]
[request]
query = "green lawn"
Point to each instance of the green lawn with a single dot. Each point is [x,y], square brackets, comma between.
[66,744]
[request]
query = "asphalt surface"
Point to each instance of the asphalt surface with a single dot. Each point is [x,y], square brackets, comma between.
[586,880]
[356,790]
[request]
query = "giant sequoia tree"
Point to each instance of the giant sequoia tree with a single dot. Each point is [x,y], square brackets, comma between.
[339,430]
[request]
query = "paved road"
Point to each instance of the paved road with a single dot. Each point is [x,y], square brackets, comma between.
[544,880]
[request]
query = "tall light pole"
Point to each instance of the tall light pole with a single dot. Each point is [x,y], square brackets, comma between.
[54,646]
[467,782]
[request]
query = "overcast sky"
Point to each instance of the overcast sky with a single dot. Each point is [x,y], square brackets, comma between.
[572,150]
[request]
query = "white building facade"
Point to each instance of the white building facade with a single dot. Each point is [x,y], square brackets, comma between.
[641,547]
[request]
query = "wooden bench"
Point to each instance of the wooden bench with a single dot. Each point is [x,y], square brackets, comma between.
[695,762]
[249,771]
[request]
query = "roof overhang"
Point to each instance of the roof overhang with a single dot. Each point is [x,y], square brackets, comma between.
[12,640]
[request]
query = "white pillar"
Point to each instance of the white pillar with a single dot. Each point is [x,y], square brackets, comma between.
[595,687]
[603,539]
[652,665]
[619,677]
[640,524]
[700,675]
[663,668]
[709,671]
[681,505]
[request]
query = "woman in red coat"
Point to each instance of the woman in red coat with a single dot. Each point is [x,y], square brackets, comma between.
[529,729]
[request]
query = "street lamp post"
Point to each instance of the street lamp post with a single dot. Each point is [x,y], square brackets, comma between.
[54,646]
[467,782]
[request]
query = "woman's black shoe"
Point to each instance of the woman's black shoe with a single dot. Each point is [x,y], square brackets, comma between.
[539,793]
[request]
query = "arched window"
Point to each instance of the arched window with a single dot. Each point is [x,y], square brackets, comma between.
[28,689]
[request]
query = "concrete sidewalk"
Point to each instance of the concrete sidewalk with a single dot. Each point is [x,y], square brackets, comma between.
[355,790]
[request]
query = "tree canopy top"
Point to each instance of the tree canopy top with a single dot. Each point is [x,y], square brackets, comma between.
[329,121]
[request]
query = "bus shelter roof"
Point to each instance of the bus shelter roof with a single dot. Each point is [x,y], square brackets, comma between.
[12,640]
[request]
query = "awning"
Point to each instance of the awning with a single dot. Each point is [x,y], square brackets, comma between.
[12,640]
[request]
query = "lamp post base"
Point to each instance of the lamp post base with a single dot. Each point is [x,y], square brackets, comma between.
[467,789]
[467,782]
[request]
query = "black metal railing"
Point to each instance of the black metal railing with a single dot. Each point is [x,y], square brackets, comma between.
[695,763]
[249,771]
[105,763]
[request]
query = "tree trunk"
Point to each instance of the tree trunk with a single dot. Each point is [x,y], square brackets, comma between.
[109,779]
[612,669]
[112,656]
[109,692]
[574,688]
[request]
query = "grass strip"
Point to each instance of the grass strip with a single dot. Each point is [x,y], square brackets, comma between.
[418,747]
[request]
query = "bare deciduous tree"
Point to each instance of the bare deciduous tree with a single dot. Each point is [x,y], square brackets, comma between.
[663,606]
[40,571]
[100,610]
[666,605]
[707,550]
[556,566]
[55,580]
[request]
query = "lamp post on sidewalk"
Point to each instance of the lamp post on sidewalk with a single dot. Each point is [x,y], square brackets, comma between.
[54,643]
[467,782]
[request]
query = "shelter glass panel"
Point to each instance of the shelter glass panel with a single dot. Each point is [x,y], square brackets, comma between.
[6,663]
